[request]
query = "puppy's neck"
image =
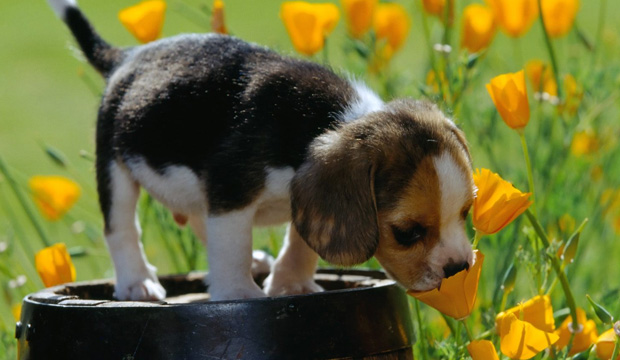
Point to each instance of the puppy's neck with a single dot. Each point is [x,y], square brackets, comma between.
[364,101]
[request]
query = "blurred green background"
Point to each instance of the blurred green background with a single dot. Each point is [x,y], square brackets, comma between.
[49,98]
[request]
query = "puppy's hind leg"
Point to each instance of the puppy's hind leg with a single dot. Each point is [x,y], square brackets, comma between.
[229,250]
[293,271]
[135,277]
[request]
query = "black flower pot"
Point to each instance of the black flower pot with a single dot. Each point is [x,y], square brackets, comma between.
[360,315]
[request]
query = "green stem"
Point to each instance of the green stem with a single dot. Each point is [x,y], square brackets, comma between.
[467,331]
[570,299]
[528,163]
[422,340]
[22,201]
[431,52]
[554,63]
[502,306]
[599,31]
[325,52]
[477,238]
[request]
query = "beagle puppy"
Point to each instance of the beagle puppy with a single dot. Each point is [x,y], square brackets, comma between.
[229,135]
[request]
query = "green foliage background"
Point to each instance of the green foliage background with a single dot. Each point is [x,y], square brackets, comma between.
[49,98]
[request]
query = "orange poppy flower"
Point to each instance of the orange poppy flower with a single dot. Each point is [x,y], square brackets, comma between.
[522,340]
[585,335]
[605,345]
[359,15]
[54,265]
[144,20]
[509,95]
[482,350]
[53,195]
[309,24]
[559,16]
[514,17]
[478,27]
[391,24]
[456,295]
[434,7]
[497,202]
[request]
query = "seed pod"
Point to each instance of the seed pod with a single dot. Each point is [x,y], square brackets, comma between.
[601,312]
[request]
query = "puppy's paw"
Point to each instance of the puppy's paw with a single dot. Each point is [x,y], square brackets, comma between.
[283,285]
[235,292]
[141,290]
[261,262]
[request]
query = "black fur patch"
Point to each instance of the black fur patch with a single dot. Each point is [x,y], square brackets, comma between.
[222,107]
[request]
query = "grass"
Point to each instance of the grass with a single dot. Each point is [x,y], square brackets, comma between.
[49,98]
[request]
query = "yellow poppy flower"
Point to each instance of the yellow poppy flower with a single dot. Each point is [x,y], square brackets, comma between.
[359,14]
[16,310]
[497,202]
[585,336]
[456,295]
[391,24]
[559,16]
[218,24]
[522,340]
[53,195]
[434,7]
[605,345]
[541,77]
[509,95]
[482,350]
[54,265]
[308,24]
[537,311]
[514,17]
[144,20]
[478,27]
[584,143]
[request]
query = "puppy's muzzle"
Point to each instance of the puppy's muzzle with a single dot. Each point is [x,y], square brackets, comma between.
[453,268]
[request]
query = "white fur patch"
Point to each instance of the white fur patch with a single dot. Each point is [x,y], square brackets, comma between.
[274,204]
[177,187]
[230,255]
[455,190]
[60,6]
[366,101]
[135,277]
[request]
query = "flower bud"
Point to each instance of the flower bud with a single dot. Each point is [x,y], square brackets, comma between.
[601,312]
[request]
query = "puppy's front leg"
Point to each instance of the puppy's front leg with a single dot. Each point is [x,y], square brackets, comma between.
[293,271]
[229,250]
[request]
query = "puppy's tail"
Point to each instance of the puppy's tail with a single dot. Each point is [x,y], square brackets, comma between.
[99,53]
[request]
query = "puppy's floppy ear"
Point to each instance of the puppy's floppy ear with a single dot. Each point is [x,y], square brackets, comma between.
[333,201]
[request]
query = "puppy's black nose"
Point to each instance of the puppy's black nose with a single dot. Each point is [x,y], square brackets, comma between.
[452,268]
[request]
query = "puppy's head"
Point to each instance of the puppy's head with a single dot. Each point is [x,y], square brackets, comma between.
[396,184]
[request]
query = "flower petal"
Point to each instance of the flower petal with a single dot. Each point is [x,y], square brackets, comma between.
[54,265]
[456,296]
[482,350]
[521,340]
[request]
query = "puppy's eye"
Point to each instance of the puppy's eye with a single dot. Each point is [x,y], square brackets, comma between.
[410,235]
[464,214]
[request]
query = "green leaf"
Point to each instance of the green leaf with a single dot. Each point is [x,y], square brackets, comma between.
[570,248]
[601,312]
[56,156]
